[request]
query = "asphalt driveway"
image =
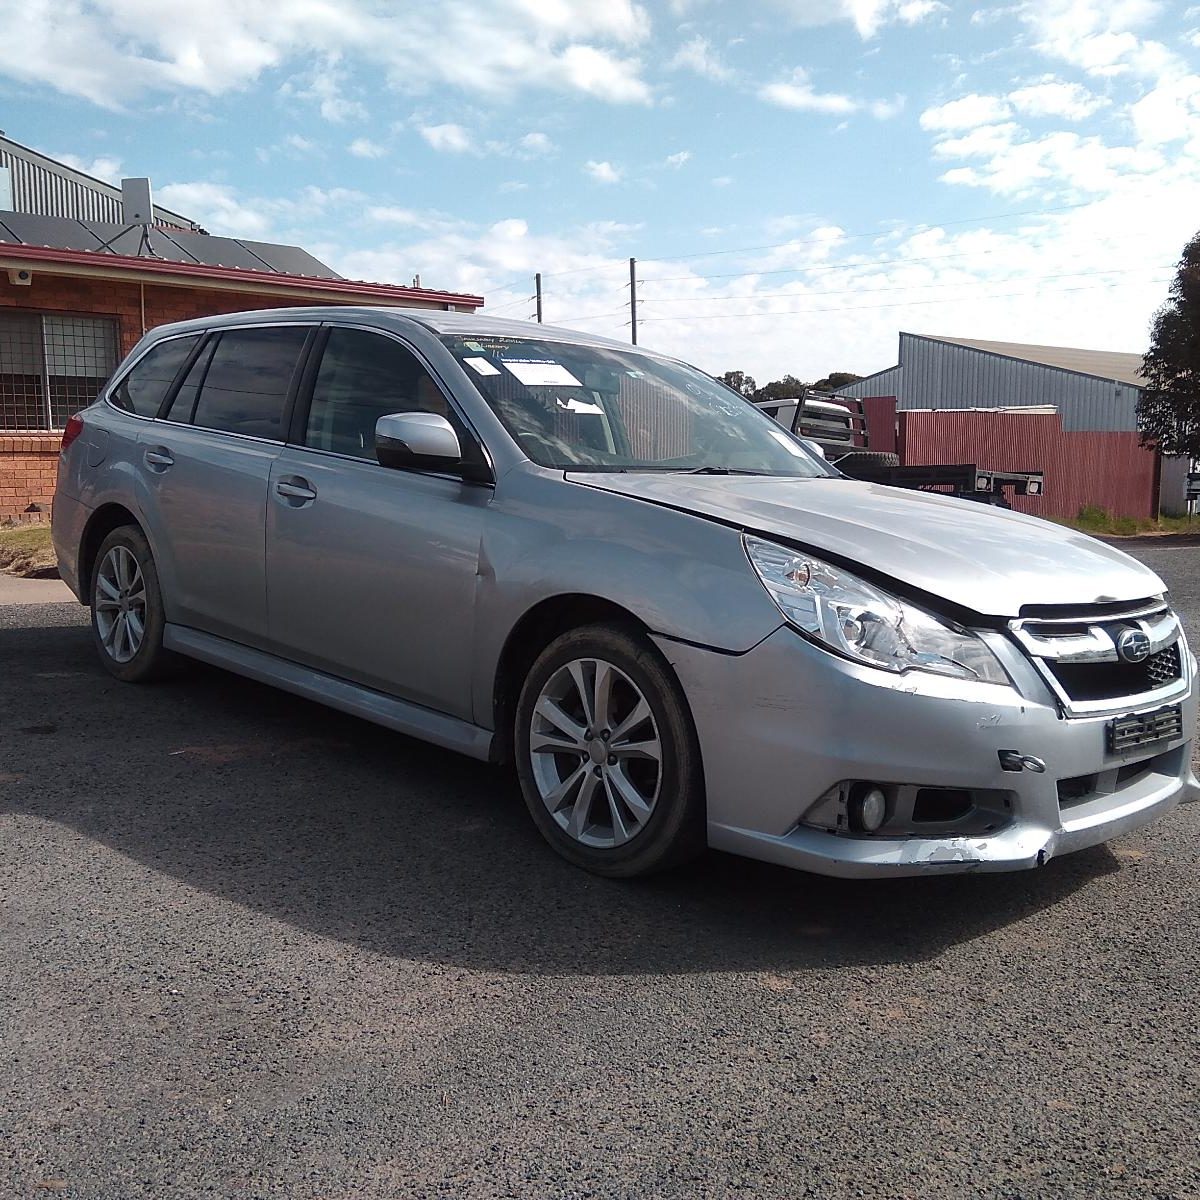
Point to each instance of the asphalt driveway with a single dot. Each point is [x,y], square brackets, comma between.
[251,947]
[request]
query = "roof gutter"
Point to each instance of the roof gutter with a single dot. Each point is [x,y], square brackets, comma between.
[87,263]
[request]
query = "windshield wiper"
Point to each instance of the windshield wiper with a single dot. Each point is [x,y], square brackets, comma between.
[721,471]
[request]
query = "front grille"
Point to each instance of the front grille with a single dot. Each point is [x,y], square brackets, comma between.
[1108,680]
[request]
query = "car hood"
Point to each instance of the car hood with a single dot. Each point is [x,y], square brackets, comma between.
[974,555]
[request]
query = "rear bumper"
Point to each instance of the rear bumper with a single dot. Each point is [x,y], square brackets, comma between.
[67,523]
[783,724]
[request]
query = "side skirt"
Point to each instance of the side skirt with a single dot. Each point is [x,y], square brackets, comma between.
[400,715]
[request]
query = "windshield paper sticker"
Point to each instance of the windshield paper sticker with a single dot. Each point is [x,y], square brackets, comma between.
[481,366]
[541,373]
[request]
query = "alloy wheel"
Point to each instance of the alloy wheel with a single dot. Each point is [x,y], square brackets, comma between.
[120,603]
[595,753]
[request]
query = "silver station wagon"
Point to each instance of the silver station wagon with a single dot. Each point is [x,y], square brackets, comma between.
[682,626]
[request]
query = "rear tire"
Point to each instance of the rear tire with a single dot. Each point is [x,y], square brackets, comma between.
[607,754]
[128,617]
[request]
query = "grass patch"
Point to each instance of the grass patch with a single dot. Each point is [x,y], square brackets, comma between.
[26,550]
[1095,520]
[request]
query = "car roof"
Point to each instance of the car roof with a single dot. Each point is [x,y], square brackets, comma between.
[435,320]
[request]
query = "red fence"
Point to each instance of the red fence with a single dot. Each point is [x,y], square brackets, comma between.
[1108,470]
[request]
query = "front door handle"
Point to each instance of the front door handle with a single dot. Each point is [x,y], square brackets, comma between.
[159,459]
[296,491]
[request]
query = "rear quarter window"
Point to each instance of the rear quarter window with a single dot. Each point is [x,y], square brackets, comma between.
[142,389]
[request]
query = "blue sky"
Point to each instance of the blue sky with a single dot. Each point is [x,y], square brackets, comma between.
[799,180]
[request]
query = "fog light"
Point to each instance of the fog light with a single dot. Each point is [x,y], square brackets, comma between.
[868,810]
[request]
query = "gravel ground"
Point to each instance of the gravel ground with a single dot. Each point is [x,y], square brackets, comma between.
[251,947]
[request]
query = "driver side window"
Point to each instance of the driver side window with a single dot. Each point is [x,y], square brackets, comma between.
[364,376]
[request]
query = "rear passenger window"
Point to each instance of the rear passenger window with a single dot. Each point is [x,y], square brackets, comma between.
[247,381]
[143,389]
[363,377]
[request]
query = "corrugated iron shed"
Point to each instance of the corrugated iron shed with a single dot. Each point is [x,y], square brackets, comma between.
[945,373]
[43,185]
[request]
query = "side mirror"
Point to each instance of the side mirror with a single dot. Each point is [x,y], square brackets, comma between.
[815,447]
[416,439]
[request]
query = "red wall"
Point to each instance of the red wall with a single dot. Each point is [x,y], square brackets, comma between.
[880,415]
[1108,470]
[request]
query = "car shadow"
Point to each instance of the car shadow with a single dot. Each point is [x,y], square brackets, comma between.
[347,830]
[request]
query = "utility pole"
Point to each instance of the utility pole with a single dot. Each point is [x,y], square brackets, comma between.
[537,290]
[633,299]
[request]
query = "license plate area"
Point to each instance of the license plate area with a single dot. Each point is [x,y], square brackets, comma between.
[1143,729]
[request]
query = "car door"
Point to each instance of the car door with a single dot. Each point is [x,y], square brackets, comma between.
[205,466]
[371,571]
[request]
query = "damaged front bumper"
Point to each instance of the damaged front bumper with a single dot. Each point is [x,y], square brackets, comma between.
[787,727]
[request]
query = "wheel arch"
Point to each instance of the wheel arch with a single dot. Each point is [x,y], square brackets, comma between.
[100,524]
[536,629]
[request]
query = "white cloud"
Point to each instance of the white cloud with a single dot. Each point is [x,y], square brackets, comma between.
[967,112]
[1169,112]
[722,181]
[1100,38]
[799,93]
[116,51]
[365,148]
[698,56]
[535,143]
[602,172]
[300,144]
[1054,98]
[393,215]
[217,207]
[450,139]
[104,167]
[678,159]
[868,16]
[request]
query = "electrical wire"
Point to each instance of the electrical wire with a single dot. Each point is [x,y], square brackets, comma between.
[791,312]
[902,288]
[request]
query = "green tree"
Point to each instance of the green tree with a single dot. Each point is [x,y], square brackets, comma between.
[1168,412]
[835,380]
[786,388]
[741,383]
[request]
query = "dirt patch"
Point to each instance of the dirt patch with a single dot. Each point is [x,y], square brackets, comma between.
[25,550]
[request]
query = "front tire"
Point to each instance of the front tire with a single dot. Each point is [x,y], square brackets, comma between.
[128,618]
[607,754]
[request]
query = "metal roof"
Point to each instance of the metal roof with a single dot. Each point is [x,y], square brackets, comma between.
[1101,364]
[41,184]
[69,261]
[150,242]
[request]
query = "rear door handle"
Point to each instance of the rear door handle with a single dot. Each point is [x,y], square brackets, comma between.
[296,490]
[159,459]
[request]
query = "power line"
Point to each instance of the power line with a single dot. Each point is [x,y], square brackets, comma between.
[916,226]
[791,312]
[902,288]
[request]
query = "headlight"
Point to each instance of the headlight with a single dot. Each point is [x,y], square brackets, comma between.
[858,620]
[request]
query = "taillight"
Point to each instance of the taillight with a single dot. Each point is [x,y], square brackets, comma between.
[73,429]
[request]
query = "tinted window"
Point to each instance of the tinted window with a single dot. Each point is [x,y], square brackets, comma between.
[364,376]
[248,380]
[143,389]
[183,403]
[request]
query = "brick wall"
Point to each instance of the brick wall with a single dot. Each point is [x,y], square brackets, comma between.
[28,466]
[28,462]
[102,297]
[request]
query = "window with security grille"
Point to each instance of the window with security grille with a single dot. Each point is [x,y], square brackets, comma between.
[52,366]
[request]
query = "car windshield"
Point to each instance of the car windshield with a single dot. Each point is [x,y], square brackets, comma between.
[592,408]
